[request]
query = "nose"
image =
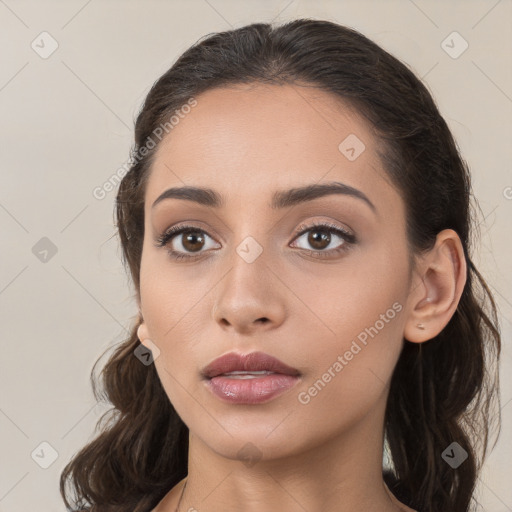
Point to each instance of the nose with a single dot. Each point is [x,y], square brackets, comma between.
[249,298]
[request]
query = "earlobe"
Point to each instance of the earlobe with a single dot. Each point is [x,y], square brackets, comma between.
[142,333]
[442,276]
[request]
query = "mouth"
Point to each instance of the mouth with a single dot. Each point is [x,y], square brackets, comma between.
[249,379]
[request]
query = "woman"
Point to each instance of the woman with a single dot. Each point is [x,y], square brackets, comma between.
[297,226]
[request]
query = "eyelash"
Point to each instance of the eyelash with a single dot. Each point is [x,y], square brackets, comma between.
[348,238]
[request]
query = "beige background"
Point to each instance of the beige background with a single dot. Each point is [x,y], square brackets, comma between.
[66,123]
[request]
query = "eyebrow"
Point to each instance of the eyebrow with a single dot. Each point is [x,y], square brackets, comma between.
[280,199]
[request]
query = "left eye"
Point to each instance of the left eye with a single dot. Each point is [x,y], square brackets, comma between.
[320,237]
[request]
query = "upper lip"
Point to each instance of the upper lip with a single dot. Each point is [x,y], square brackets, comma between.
[254,361]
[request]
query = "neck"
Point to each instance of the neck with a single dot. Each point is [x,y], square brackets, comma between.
[341,475]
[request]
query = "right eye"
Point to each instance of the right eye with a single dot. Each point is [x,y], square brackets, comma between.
[192,241]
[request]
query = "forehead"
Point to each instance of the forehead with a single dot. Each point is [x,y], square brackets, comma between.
[249,140]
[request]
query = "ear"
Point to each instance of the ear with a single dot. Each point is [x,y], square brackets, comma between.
[440,276]
[142,330]
[143,335]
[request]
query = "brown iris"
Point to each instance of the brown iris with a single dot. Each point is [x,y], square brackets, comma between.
[318,238]
[192,241]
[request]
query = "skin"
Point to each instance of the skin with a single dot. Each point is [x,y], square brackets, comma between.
[246,142]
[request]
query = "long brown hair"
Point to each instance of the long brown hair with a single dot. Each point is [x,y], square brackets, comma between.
[442,391]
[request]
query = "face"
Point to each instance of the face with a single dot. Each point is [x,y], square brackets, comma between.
[319,282]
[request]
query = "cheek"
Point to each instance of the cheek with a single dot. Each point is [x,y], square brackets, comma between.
[171,303]
[169,297]
[345,298]
[359,340]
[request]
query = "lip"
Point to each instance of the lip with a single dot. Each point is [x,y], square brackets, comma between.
[249,390]
[254,361]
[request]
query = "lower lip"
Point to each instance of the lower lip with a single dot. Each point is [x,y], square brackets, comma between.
[251,391]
